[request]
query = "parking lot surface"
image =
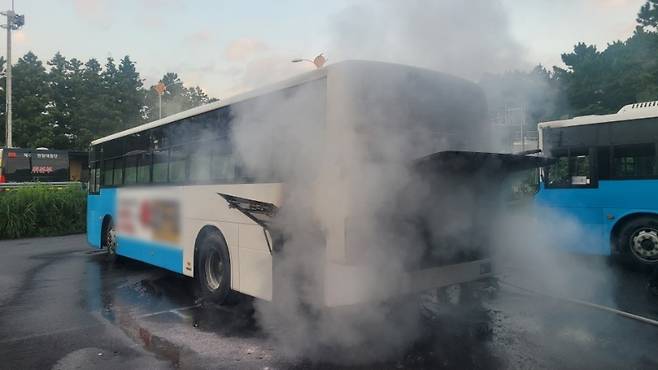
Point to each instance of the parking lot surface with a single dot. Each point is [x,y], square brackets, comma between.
[64,305]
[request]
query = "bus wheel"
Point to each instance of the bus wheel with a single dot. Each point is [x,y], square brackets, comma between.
[214,270]
[640,238]
[110,239]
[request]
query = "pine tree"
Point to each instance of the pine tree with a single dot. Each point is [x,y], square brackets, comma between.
[58,110]
[31,126]
[647,17]
[130,96]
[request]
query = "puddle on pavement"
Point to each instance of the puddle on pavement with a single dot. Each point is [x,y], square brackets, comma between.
[124,292]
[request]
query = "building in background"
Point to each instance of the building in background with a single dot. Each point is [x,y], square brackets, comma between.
[513,130]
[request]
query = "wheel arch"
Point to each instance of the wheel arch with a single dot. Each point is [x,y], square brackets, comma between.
[619,225]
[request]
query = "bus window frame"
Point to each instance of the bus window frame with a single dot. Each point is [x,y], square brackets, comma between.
[593,169]
[613,170]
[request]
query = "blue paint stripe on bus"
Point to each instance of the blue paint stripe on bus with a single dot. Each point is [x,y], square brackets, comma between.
[99,205]
[597,210]
[158,254]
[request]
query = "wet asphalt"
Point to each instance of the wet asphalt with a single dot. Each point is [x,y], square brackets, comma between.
[64,305]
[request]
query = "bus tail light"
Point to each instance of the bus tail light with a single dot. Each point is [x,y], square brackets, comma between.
[2,179]
[11,154]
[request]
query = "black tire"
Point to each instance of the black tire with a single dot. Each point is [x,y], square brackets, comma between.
[213,272]
[638,239]
[109,242]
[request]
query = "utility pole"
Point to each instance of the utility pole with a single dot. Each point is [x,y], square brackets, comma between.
[14,22]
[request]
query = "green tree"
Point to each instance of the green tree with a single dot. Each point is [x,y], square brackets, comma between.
[647,17]
[176,98]
[129,93]
[92,114]
[31,126]
[68,103]
[61,96]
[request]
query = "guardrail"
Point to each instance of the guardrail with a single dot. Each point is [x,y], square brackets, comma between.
[57,184]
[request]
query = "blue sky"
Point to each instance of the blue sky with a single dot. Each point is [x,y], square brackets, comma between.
[229,46]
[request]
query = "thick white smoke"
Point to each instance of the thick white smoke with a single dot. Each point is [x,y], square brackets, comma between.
[464,38]
[356,168]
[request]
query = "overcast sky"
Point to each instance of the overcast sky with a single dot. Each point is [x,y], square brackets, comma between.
[229,46]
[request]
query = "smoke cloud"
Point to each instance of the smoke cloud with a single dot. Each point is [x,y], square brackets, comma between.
[464,38]
[352,169]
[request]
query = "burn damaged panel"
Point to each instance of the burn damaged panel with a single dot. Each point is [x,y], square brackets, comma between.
[441,217]
[445,212]
[261,213]
[463,162]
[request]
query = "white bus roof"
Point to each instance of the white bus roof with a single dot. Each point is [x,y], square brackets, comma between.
[628,112]
[308,76]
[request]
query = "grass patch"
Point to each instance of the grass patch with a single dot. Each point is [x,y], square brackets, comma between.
[42,210]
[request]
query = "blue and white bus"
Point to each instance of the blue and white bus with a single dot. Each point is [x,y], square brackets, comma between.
[177,192]
[606,178]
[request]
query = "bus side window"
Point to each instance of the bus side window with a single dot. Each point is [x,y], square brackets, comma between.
[581,171]
[108,171]
[160,166]
[222,165]
[603,163]
[144,168]
[573,168]
[130,174]
[634,161]
[201,163]
[97,179]
[558,173]
[177,164]
[92,178]
[118,172]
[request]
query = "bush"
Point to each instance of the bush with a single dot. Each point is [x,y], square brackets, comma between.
[42,210]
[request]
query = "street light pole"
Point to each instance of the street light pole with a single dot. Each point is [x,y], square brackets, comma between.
[160,88]
[14,22]
[8,141]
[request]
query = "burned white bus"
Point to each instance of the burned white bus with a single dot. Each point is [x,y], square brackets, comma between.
[378,169]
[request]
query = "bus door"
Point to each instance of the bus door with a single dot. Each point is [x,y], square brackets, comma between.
[569,194]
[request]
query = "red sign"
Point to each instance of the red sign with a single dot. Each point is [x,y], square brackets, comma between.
[42,169]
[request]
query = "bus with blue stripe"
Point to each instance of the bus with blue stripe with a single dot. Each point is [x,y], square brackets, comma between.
[185,194]
[605,179]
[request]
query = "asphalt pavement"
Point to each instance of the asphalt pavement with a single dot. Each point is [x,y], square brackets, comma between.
[64,305]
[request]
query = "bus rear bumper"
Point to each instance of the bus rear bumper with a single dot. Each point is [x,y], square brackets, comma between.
[347,284]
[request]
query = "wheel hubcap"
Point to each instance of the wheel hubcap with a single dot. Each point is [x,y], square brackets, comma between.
[644,244]
[214,270]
